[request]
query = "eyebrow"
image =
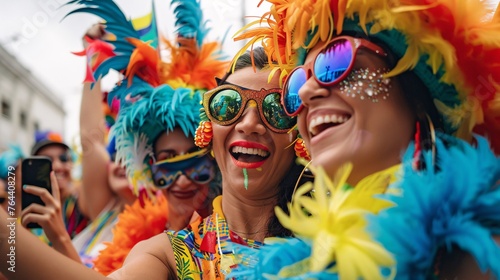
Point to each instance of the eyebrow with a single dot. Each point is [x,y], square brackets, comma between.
[221,82]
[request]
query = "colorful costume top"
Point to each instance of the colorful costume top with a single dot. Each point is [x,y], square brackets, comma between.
[74,220]
[89,242]
[204,250]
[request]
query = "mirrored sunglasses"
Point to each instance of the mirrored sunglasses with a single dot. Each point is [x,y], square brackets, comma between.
[197,166]
[225,104]
[330,66]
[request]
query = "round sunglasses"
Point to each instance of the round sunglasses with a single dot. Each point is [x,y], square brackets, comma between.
[225,104]
[197,166]
[330,66]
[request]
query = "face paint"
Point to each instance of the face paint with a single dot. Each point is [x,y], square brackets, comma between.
[245,174]
[366,84]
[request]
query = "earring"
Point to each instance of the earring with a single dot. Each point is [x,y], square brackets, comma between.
[418,147]
[425,140]
[300,149]
[204,134]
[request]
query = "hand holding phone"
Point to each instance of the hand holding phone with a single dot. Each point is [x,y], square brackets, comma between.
[35,172]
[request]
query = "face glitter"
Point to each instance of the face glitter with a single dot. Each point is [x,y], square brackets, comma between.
[366,84]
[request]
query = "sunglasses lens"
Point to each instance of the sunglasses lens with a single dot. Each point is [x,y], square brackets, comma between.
[274,112]
[225,105]
[333,61]
[291,100]
[163,176]
[64,158]
[203,172]
[199,170]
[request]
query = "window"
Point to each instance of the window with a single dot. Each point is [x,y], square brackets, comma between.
[23,119]
[6,110]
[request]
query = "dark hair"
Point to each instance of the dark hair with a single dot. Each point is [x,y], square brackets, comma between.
[293,176]
[419,99]
[260,60]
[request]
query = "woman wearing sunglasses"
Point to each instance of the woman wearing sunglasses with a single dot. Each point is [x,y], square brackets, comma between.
[387,96]
[253,148]
[60,218]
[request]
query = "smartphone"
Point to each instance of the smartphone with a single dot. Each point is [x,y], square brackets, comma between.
[35,171]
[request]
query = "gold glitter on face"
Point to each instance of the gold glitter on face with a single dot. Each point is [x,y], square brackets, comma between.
[366,84]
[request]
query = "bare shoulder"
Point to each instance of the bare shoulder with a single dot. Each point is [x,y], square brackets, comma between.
[149,259]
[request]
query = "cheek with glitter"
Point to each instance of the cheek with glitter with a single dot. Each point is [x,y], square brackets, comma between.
[366,84]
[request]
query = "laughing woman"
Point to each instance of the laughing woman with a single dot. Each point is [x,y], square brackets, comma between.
[387,96]
[252,145]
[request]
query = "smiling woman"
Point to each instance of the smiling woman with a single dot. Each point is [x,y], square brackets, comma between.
[250,153]
[388,97]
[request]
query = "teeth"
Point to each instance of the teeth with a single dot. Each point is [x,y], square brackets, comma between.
[335,119]
[250,151]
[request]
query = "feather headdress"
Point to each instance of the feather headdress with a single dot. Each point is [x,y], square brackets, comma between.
[453,46]
[156,95]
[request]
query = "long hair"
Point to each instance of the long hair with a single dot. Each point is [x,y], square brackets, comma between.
[293,176]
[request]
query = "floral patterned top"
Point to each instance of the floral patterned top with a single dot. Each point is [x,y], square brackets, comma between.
[203,250]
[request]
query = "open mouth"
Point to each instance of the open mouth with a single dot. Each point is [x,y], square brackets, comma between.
[249,155]
[322,123]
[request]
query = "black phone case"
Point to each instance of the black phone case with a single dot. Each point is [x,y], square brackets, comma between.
[36,172]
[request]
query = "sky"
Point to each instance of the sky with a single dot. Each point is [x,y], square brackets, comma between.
[35,32]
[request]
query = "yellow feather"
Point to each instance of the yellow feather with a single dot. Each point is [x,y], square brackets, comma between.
[333,218]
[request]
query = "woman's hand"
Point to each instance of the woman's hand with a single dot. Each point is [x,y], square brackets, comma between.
[96,31]
[50,218]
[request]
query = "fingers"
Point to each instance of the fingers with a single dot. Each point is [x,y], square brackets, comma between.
[40,214]
[44,194]
[96,31]
[55,186]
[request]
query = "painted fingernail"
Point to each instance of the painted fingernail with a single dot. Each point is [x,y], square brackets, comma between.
[25,186]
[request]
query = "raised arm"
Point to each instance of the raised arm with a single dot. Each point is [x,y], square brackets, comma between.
[95,159]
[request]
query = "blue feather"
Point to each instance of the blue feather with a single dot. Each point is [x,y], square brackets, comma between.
[189,20]
[456,204]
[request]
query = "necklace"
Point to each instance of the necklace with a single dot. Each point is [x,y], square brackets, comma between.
[223,259]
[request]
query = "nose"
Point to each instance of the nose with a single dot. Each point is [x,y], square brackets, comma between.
[312,92]
[250,122]
[183,182]
[57,165]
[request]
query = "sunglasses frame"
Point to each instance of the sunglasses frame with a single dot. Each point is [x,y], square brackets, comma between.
[309,67]
[246,95]
[200,154]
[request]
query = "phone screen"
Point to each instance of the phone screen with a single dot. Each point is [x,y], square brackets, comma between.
[36,172]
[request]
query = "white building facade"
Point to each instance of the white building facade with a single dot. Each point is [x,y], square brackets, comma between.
[26,105]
